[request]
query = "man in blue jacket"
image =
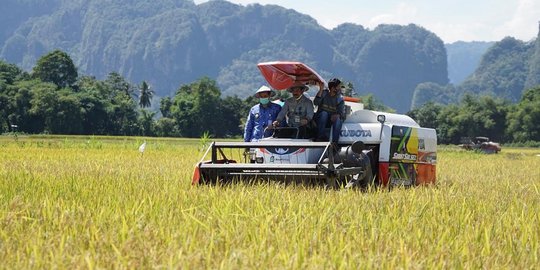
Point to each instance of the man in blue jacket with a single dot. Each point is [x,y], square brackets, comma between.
[261,116]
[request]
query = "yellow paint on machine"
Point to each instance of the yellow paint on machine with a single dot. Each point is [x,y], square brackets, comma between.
[412,143]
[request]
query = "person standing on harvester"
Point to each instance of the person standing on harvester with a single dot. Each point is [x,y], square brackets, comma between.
[331,108]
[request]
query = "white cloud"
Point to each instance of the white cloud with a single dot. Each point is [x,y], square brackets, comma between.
[451,32]
[402,14]
[524,22]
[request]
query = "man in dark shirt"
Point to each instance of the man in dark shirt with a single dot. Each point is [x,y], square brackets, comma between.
[331,107]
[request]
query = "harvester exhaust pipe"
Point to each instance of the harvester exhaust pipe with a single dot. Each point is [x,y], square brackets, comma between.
[381,118]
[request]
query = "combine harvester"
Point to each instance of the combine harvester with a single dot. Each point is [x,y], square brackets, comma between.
[375,148]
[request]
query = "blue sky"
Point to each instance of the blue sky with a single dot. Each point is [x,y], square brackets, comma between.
[451,20]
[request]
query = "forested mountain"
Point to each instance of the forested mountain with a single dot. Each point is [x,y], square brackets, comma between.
[464,58]
[507,69]
[504,70]
[174,42]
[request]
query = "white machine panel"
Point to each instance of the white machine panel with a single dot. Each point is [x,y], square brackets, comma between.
[367,133]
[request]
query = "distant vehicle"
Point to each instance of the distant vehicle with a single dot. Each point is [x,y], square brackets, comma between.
[481,144]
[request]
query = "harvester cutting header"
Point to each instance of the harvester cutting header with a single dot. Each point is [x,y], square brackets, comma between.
[367,148]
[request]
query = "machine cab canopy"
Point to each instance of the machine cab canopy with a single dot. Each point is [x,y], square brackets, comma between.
[282,75]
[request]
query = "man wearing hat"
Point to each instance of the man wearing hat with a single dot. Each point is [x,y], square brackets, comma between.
[261,116]
[330,110]
[298,109]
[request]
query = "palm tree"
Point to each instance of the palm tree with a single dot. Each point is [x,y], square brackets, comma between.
[146,95]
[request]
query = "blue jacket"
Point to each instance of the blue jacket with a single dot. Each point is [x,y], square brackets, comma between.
[258,119]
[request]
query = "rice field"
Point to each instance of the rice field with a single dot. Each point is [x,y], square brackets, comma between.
[96,202]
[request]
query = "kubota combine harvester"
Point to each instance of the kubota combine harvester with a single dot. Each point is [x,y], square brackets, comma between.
[375,148]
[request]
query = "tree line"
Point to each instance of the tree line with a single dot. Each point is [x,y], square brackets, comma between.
[496,118]
[54,99]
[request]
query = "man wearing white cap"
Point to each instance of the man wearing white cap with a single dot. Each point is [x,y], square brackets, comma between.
[261,116]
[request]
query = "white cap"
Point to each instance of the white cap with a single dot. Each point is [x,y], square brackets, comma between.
[264,88]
